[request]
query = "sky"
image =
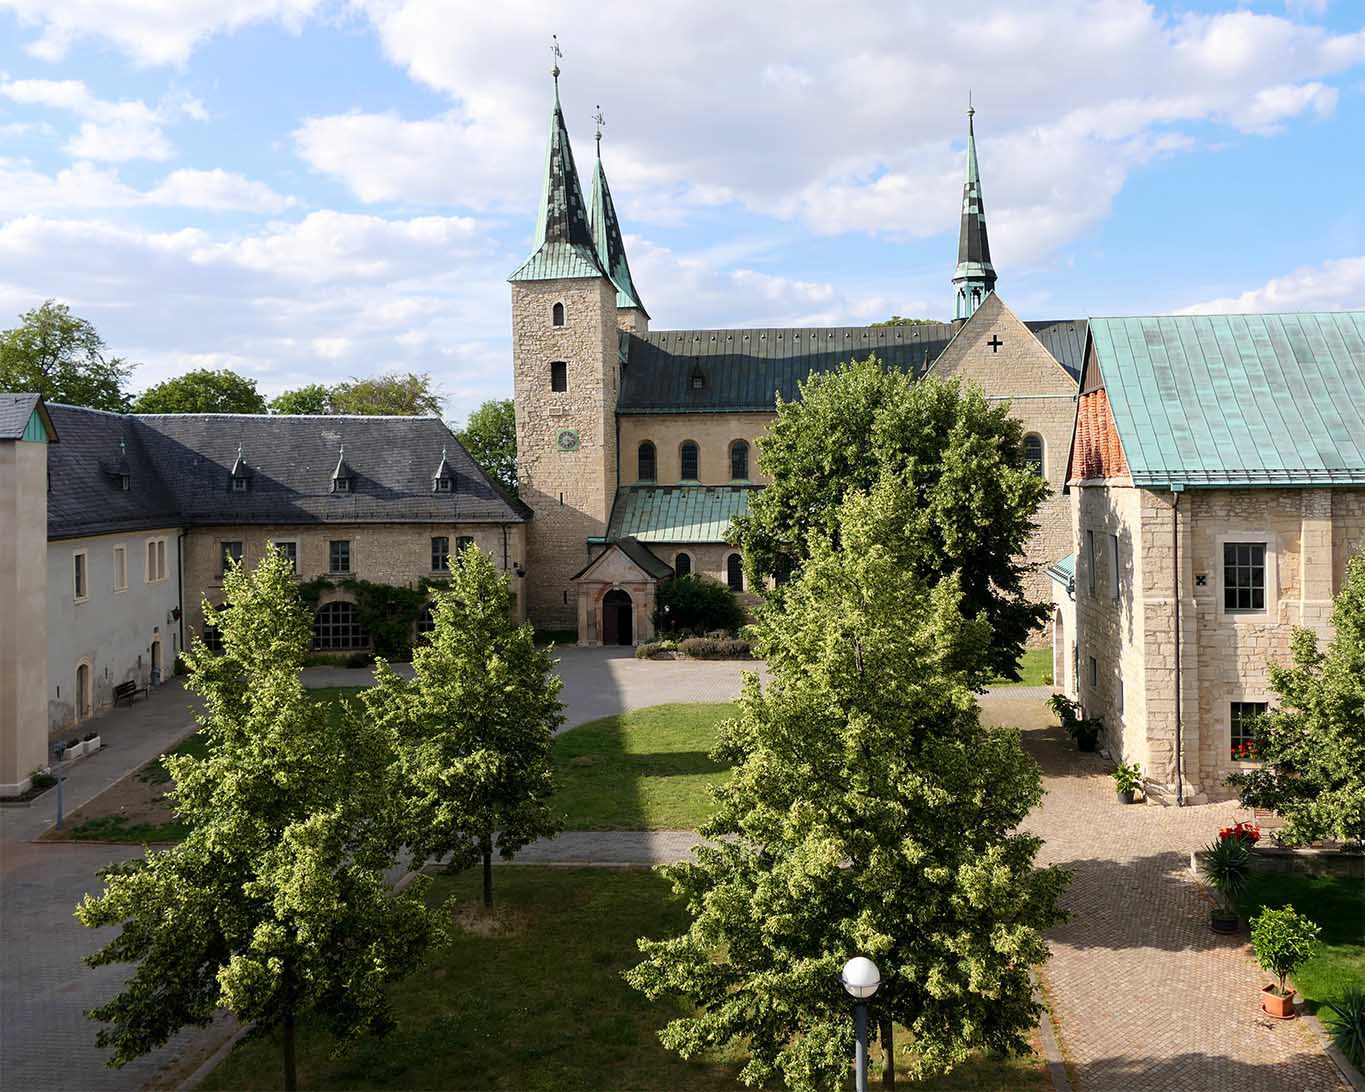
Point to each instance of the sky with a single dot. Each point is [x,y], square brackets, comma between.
[307,190]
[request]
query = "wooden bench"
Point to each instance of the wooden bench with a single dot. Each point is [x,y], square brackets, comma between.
[128,691]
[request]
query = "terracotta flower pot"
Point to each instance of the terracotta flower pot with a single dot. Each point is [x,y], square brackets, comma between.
[1282,1008]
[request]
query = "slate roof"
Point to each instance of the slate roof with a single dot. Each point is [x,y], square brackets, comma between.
[606,233]
[181,472]
[677,513]
[744,370]
[973,247]
[15,412]
[1236,400]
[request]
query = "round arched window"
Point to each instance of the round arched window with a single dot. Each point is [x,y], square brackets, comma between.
[336,627]
[690,456]
[734,572]
[682,565]
[557,314]
[647,463]
[739,461]
[1033,454]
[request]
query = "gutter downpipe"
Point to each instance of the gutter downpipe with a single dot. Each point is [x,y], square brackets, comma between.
[1176,489]
[180,588]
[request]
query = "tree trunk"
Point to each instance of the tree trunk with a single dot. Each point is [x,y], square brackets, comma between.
[487,872]
[888,1052]
[291,1074]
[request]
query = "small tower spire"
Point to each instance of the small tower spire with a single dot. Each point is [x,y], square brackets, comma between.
[974,277]
[606,233]
[555,54]
[599,121]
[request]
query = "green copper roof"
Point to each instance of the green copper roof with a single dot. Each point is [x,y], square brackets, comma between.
[973,247]
[1236,400]
[606,233]
[677,513]
[563,244]
[1063,572]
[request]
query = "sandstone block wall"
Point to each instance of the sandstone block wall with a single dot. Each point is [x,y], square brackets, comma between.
[713,433]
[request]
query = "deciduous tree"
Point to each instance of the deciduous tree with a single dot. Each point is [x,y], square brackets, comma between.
[62,357]
[1312,744]
[311,399]
[957,460]
[472,729]
[869,813]
[490,436]
[406,395]
[275,905]
[203,390]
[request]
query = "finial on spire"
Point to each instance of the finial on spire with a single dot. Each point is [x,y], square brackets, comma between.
[239,451]
[443,453]
[122,447]
[555,54]
[601,121]
[971,110]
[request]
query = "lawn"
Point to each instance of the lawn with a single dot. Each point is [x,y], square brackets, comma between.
[1337,903]
[646,770]
[495,1010]
[1035,669]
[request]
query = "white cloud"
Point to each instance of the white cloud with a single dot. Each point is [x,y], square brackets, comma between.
[109,131]
[857,129]
[86,186]
[151,32]
[216,189]
[1337,285]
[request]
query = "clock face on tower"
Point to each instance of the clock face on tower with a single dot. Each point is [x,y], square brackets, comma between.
[568,440]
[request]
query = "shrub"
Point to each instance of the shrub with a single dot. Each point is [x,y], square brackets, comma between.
[1283,940]
[697,604]
[43,780]
[1224,867]
[653,648]
[359,659]
[89,736]
[713,648]
[1084,730]
[1346,1021]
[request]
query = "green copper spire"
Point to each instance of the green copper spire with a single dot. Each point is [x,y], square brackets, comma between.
[606,233]
[563,240]
[974,277]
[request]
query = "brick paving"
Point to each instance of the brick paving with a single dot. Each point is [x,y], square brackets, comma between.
[1144,994]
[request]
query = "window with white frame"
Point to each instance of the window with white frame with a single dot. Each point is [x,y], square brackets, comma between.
[156,560]
[80,576]
[120,568]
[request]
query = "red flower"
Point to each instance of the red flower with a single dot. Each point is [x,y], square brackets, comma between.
[1248,832]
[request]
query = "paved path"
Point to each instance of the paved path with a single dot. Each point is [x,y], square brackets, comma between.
[1144,994]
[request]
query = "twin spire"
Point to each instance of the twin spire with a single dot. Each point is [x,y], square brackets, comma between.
[974,278]
[574,239]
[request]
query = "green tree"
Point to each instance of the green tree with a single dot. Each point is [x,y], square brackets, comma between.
[62,357]
[202,391]
[472,729]
[955,460]
[696,604]
[1312,745]
[896,320]
[308,400]
[490,436]
[276,903]
[869,813]
[405,395]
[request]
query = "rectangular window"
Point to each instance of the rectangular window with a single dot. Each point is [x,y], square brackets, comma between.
[1094,672]
[339,556]
[1114,566]
[120,568]
[559,376]
[151,560]
[78,576]
[1243,715]
[161,559]
[440,554]
[1091,560]
[232,551]
[1243,576]
[239,485]
[291,551]
[462,543]
[156,560]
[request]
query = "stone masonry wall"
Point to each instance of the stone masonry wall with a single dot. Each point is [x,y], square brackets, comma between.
[384,553]
[570,488]
[713,433]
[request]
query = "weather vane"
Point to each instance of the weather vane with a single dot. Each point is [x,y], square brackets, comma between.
[970,108]
[556,54]
[601,121]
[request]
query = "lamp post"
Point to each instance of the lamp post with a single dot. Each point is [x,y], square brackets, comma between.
[860,978]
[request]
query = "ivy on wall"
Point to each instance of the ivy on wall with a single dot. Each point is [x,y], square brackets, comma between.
[389,612]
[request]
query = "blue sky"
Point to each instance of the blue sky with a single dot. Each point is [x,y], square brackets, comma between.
[304,190]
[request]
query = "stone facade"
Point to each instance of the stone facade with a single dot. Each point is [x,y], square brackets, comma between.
[383,553]
[615,572]
[566,440]
[713,433]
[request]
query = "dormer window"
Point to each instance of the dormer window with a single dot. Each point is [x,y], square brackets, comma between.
[443,481]
[239,485]
[443,485]
[241,473]
[343,477]
[125,482]
[341,485]
[698,380]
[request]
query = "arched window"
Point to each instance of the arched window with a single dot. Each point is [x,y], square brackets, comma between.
[734,572]
[739,461]
[691,459]
[1033,454]
[559,375]
[557,314]
[337,627]
[647,468]
[682,565]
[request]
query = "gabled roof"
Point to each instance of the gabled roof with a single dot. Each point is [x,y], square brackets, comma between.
[677,513]
[16,415]
[637,553]
[745,370]
[606,233]
[1235,400]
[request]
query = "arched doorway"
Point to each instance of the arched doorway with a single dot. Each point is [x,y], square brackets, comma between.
[1058,652]
[617,611]
[83,701]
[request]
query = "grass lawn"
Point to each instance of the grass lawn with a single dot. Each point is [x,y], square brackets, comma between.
[646,770]
[497,1010]
[1035,669]
[1337,903]
[135,809]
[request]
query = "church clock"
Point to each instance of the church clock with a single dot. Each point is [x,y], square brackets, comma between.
[568,440]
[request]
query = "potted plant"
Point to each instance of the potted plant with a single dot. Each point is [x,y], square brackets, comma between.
[1247,832]
[1084,730]
[74,748]
[1224,868]
[1127,781]
[1283,940]
[92,742]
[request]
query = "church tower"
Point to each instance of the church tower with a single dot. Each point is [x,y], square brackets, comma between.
[611,249]
[974,278]
[565,355]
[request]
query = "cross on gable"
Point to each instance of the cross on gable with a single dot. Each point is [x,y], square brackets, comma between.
[995,342]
